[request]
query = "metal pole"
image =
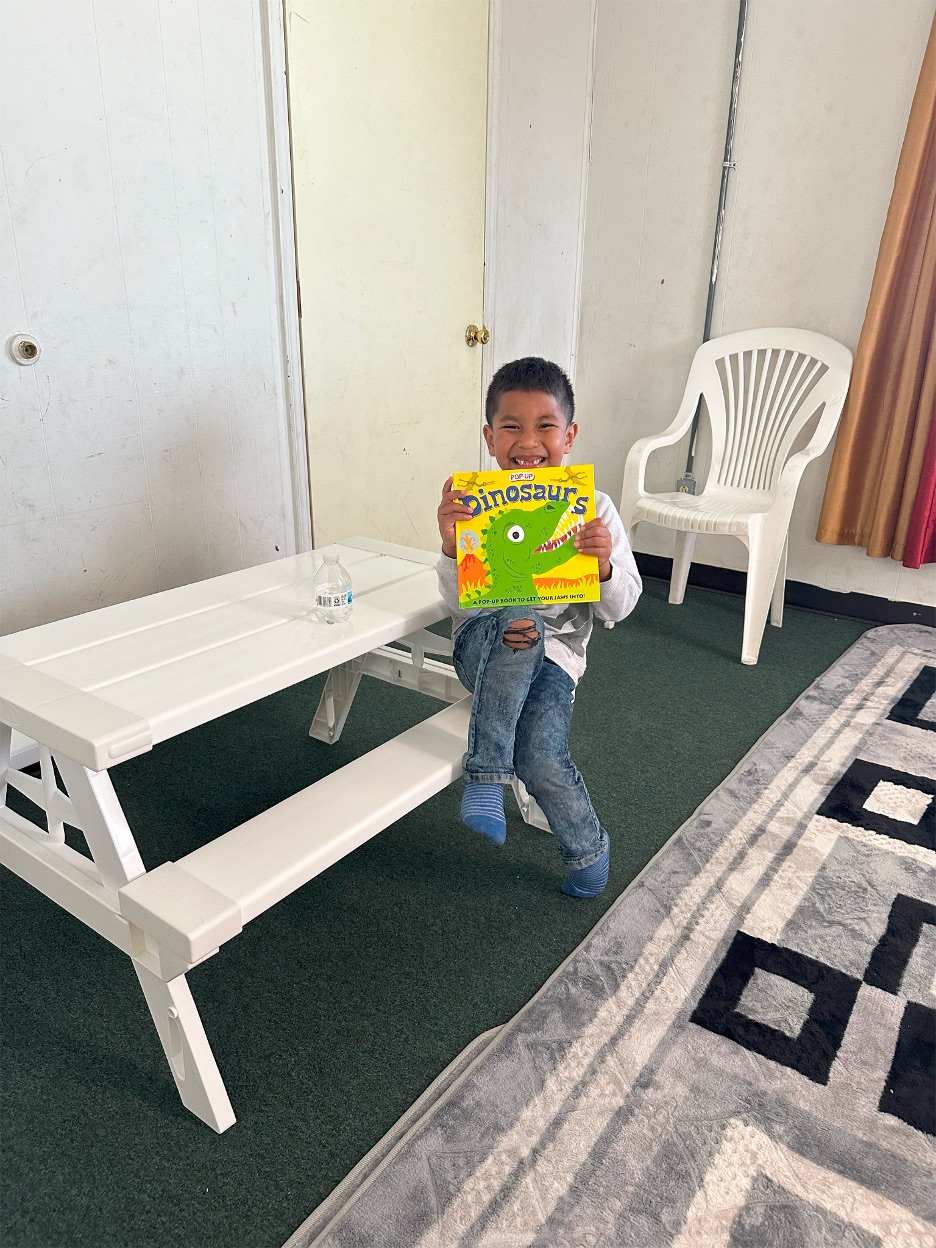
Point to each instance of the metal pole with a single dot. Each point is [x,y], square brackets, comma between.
[687,483]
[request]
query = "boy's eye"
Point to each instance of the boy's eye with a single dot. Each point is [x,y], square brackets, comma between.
[515,533]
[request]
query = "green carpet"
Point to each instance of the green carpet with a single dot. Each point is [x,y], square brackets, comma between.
[333,1011]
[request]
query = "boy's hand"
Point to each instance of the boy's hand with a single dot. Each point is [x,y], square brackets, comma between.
[451,509]
[595,540]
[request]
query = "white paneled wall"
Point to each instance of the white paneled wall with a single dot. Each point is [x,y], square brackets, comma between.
[815,175]
[826,89]
[662,76]
[148,445]
[540,100]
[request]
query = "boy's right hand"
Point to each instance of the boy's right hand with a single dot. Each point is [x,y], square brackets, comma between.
[451,509]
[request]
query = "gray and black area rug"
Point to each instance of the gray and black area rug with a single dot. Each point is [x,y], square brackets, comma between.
[741,1054]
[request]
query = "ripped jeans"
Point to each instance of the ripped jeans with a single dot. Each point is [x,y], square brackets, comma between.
[520,726]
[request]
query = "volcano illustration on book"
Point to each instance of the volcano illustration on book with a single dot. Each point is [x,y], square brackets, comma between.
[518,548]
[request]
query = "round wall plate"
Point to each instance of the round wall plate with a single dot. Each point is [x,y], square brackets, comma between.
[23,349]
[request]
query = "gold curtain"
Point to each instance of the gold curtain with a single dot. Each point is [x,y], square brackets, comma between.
[891,402]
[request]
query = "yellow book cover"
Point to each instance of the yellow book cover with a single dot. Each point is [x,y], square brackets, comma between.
[518,547]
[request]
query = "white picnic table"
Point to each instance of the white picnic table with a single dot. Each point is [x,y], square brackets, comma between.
[97,689]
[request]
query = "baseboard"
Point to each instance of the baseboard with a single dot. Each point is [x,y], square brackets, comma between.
[798,594]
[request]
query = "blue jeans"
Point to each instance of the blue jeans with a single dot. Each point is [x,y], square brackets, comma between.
[520,726]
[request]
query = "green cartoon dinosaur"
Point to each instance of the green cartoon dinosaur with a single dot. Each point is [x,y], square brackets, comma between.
[513,554]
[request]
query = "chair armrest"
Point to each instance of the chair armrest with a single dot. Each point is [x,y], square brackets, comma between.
[795,466]
[701,373]
[635,466]
[793,469]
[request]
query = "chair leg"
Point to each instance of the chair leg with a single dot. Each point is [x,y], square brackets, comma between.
[776,603]
[763,563]
[682,561]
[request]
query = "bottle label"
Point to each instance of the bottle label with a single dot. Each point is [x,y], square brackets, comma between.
[330,601]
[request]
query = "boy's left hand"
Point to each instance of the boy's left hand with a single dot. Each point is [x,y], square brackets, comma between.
[595,540]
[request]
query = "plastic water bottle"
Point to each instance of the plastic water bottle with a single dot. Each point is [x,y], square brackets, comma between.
[331,586]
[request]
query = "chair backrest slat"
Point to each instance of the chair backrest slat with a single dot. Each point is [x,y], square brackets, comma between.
[759,403]
[731,428]
[775,401]
[790,419]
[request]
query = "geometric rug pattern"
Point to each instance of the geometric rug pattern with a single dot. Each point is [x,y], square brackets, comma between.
[742,1052]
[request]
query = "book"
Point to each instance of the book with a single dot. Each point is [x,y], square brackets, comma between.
[518,548]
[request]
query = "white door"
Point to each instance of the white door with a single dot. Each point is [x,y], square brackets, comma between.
[146,446]
[388,113]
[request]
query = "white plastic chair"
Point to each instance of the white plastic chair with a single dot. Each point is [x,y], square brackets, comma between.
[760,387]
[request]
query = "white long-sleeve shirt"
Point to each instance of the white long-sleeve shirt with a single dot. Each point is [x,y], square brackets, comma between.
[568,625]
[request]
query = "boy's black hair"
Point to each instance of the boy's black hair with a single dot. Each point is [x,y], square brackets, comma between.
[531,373]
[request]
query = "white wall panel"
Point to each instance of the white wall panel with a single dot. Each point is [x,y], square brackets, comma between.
[247,293]
[140,147]
[32,574]
[539,141]
[108,554]
[814,180]
[187,108]
[661,80]
[25,483]
[826,89]
[140,252]
[59,182]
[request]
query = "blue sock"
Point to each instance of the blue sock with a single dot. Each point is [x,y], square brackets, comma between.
[482,809]
[588,881]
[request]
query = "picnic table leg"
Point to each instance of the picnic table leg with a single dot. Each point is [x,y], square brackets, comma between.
[187,1049]
[335,702]
[405,663]
[110,840]
[529,809]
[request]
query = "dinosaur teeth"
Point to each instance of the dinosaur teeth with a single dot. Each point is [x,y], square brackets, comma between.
[557,541]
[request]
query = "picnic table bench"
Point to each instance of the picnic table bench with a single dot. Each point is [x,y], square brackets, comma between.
[97,689]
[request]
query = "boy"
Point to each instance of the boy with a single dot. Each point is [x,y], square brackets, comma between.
[523,664]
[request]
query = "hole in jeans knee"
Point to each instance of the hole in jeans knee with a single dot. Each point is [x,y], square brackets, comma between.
[521,635]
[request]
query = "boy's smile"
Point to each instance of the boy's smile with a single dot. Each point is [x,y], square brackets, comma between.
[529,430]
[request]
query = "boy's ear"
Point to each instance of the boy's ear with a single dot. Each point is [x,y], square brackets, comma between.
[570,436]
[489,439]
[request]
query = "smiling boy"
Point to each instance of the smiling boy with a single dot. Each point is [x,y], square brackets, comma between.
[521,663]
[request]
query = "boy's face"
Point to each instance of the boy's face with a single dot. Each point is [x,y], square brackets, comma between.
[529,430]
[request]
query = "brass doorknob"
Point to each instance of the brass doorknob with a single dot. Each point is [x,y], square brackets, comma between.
[473,335]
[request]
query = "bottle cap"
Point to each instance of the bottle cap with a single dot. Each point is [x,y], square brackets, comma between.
[331,557]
